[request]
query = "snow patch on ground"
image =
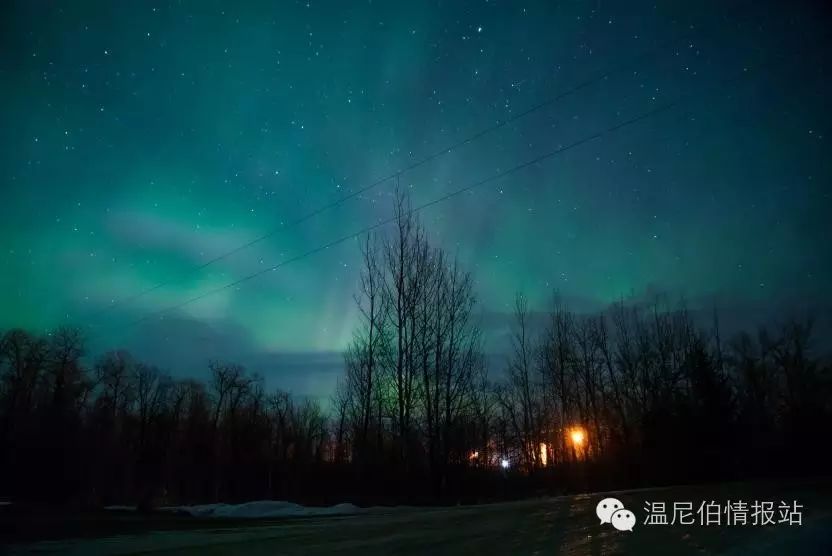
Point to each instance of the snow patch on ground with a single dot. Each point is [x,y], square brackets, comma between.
[261,509]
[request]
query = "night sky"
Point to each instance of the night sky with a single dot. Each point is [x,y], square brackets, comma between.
[142,139]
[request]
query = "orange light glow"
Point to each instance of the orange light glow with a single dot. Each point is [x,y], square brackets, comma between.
[544,454]
[473,455]
[577,436]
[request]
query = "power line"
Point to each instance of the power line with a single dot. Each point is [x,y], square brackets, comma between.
[372,185]
[421,162]
[536,160]
[421,207]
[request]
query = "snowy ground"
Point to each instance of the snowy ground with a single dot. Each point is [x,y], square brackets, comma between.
[262,509]
[565,525]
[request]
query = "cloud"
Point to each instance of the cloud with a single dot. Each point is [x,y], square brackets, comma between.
[148,231]
[184,346]
[735,316]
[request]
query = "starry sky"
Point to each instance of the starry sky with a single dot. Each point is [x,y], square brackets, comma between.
[142,139]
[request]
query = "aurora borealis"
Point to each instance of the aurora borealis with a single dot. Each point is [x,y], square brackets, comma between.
[142,139]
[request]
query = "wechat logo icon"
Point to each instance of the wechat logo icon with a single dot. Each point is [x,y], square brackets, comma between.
[612,511]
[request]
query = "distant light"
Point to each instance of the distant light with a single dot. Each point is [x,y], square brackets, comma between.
[544,453]
[504,463]
[577,435]
[474,455]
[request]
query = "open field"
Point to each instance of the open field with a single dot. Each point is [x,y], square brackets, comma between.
[564,525]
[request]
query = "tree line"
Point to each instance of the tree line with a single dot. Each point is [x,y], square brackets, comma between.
[639,394]
[124,431]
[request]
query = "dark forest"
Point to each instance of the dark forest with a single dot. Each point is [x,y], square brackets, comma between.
[639,394]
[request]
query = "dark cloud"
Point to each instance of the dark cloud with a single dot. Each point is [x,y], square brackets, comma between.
[184,346]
